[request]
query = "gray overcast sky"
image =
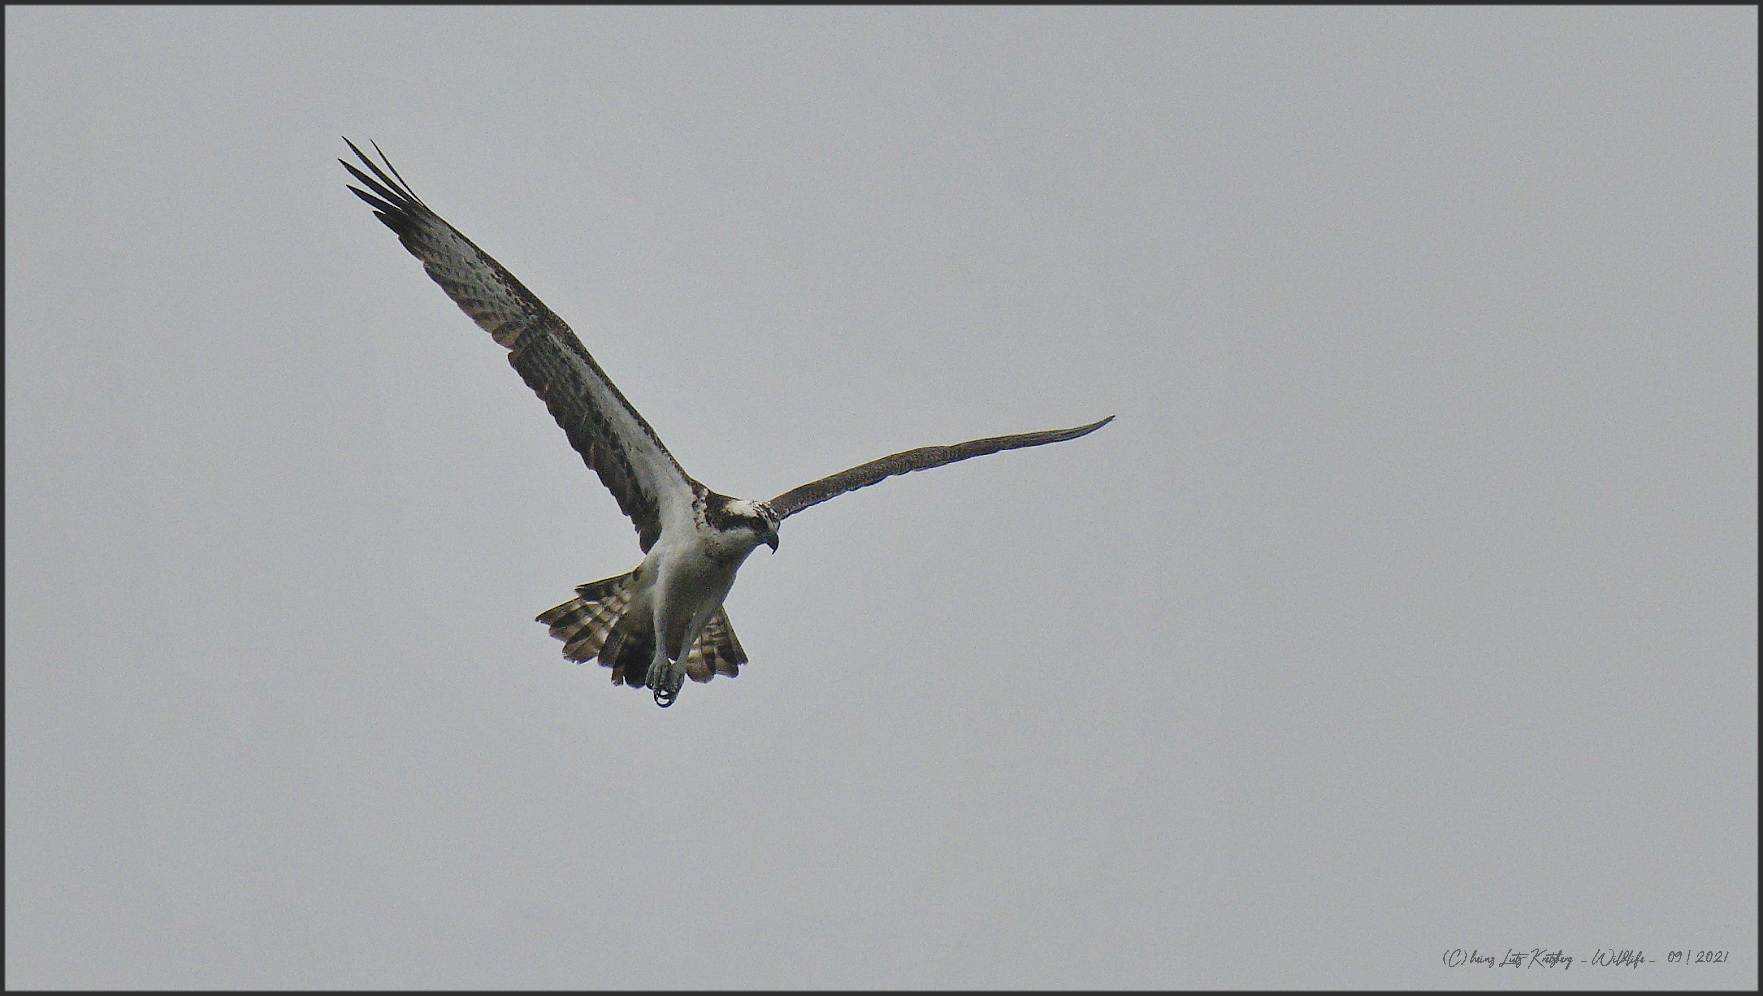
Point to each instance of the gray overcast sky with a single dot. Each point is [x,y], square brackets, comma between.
[1409,604]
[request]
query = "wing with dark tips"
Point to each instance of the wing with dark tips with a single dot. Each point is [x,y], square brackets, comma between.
[923,458]
[612,438]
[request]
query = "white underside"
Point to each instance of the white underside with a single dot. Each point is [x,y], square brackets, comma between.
[682,584]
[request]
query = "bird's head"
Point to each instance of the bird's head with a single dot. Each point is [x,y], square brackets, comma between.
[738,515]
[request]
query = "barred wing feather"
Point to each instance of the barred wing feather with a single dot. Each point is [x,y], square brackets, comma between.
[923,458]
[613,440]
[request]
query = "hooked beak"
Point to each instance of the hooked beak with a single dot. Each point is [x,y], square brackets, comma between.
[771,540]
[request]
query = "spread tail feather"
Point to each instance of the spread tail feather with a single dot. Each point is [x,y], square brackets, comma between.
[583,623]
[716,651]
[596,624]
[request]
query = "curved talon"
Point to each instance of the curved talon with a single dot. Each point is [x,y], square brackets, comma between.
[667,689]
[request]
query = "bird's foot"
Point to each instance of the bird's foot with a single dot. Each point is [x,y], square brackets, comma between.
[666,685]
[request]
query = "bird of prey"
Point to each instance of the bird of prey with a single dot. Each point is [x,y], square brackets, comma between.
[664,621]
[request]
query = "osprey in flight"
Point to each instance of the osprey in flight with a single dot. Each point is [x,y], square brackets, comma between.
[664,621]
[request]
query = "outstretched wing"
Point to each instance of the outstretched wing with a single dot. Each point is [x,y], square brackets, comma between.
[612,438]
[923,458]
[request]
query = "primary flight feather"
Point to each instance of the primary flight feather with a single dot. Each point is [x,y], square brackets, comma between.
[664,621]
